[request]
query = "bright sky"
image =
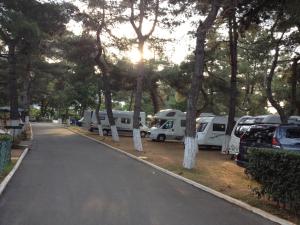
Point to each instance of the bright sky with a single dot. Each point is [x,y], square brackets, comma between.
[176,50]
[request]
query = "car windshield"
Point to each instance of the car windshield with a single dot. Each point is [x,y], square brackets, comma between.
[201,127]
[159,122]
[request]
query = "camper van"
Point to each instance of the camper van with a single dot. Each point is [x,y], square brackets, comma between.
[246,122]
[211,130]
[242,125]
[123,120]
[169,125]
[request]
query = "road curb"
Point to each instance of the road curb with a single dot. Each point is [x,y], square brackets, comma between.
[234,201]
[8,177]
[6,180]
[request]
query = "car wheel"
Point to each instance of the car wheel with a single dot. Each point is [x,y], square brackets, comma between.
[161,137]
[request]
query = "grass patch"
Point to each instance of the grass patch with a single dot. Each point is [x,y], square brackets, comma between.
[7,169]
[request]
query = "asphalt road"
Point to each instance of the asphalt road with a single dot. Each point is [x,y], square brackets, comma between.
[67,179]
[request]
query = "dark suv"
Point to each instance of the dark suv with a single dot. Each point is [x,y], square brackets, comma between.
[275,136]
[287,137]
[259,136]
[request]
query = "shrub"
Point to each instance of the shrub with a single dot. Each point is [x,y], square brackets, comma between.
[5,150]
[5,137]
[278,172]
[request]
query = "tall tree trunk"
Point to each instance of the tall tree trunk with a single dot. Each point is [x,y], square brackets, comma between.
[233,38]
[12,83]
[98,105]
[131,100]
[108,106]
[294,82]
[268,84]
[137,141]
[154,96]
[44,107]
[27,86]
[102,63]
[191,147]
[67,113]
[142,38]
[205,100]
[82,109]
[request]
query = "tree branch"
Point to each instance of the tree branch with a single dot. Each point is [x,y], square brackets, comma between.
[268,83]
[142,14]
[155,19]
[131,19]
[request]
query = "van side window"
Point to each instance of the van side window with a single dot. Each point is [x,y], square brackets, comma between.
[219,127]
[293,133]
[183,123]
[168,125]
[125,120]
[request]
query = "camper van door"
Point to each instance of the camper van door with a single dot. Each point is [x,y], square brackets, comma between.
[168,128]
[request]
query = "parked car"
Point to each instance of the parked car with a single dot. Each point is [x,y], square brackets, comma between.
[80,122]
[259,136]
[287,137]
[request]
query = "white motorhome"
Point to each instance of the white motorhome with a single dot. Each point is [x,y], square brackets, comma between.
[169,124]
[211,130]
[294,119]
[244,124]
[240,127]
[123,120]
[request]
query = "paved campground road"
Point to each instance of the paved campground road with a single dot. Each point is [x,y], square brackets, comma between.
[67,179]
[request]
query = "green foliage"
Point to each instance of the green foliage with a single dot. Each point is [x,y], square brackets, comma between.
[5,137]
[278,172]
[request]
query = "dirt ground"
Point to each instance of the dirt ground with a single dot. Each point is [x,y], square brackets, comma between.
[213,169]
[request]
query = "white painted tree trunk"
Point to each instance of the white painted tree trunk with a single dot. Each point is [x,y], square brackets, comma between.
[68,122]
[190,152]
[114,133]
[137,140]
[100,130]
[225,144]
[27,119]
[14,132]
[59,121]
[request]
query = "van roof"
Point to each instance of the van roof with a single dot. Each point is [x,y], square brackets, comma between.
[168,113]
[212,118]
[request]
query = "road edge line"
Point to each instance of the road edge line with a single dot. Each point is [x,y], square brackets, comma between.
[9,176]
[227,198]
